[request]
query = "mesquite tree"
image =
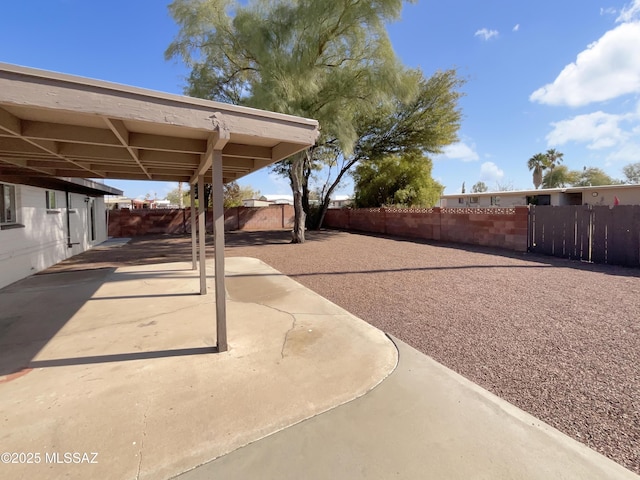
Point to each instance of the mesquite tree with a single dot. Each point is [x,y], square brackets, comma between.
[330,60]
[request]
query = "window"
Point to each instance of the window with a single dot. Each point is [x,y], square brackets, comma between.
[474,199]
[461,200]
[51,199]
[495,200]
[7,204]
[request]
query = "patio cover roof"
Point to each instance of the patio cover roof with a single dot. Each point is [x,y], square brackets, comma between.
[55,125]
[60,125]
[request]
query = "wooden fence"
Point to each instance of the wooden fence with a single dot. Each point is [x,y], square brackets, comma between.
[598,234]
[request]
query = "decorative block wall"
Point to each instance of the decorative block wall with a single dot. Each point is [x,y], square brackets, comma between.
[493,227]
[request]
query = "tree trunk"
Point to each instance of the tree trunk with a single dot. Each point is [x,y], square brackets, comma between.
[537,177]
[306,173]
[180,199]
[296,176]
[327,197]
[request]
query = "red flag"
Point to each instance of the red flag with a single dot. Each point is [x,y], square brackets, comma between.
[615,200]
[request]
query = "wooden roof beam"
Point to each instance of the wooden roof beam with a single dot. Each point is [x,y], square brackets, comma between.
[10,123]
[247,151]
[147,141]
[25,164]
[120,130]
[216,141]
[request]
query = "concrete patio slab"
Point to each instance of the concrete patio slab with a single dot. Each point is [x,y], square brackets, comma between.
[119,362]
[422,422]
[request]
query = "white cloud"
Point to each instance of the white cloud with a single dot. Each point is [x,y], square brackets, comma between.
[598,129]
[486,34]
[608,11]
[489,172]
[628,153]
[608,68]
[629,12]
[461,151]
[516,27]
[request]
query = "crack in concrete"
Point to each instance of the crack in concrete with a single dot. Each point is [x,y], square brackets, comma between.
[293,323]
[286,335]
[144,435]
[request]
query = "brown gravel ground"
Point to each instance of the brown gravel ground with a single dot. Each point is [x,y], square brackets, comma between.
[559,339]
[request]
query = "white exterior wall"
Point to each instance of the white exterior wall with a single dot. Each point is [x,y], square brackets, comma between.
[43,240]
[484,201]
[627,195]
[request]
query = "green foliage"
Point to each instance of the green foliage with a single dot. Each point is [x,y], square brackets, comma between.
[553,158]
[426,121]
[537,164]
[560,176]
[594,176]
[403,180]
[330,60]
[479,187]
[632,172]
[174,197]
[234,194]
[323,59]
[541,162]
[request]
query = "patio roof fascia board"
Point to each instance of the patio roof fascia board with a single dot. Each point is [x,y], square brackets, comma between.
[61,118]
[19,86]
[120,87]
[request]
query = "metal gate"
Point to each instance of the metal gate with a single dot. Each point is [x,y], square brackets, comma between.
[598,234]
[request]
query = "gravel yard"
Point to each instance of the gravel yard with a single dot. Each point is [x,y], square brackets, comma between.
[559,339]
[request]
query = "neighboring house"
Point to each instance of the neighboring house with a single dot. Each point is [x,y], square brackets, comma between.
[339,201]
[120,202]
[165,204]
[117,202]
[278,199]
[601,195]
[44,220]
[255,202]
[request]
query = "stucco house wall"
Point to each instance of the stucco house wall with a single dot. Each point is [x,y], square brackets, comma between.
[39,238]
[600,195]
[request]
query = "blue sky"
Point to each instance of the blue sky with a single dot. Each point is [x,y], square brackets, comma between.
[540,75]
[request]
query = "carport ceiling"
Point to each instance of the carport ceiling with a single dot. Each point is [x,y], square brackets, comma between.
[65,126]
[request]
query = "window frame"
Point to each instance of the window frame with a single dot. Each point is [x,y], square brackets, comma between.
[50,199]
[13,207]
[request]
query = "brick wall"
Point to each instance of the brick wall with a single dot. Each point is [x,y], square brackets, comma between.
[494,227]
[134,223]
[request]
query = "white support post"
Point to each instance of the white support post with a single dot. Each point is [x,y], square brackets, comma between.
[202,205]
[194,238]
[218,232]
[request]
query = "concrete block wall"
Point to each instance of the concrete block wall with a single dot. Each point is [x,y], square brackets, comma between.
[494,227]
[134,223]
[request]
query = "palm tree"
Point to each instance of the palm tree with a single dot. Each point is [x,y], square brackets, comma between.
[537,164]
[554,158]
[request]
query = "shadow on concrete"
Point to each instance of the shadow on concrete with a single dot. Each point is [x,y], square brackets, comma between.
[153,295]
[122,357]
[35,309]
